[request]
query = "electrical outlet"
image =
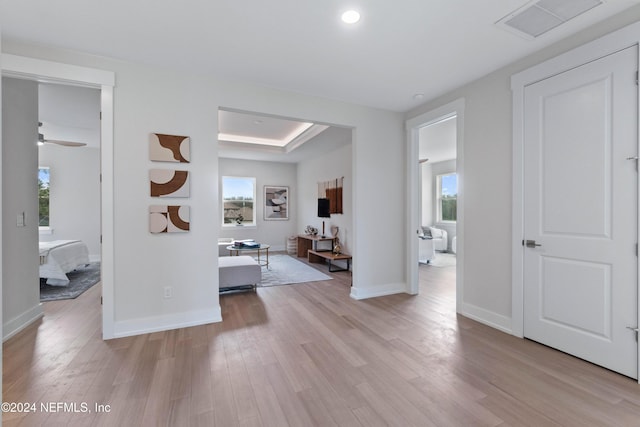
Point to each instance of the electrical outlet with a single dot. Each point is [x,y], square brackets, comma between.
[168,292]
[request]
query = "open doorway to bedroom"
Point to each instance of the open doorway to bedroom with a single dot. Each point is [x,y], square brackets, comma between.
[22,196]
[68,190]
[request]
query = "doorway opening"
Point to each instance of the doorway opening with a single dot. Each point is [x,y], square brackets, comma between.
[42,71]
[435,185]
[438,183]
[69,189]
[282,164]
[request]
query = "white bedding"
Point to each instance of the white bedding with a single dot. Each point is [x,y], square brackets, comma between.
[59,257]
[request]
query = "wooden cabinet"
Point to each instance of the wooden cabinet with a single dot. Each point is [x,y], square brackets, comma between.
[308,242]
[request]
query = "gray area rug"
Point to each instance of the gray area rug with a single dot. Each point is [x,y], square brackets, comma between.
[80,280]
[443,259]
[286,270]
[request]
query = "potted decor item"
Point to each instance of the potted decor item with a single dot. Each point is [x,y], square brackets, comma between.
[337,249]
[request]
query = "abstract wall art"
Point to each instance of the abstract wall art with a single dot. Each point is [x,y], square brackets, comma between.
[169,148]
[168,219]
[169,183]
[276,203]
[332,191]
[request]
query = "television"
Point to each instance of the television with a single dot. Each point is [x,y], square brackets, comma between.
[323,208]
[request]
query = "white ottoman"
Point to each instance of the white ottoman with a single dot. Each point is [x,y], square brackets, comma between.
[238,273]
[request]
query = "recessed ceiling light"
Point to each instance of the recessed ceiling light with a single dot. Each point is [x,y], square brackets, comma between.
[418,96]
[350,17]
[296,132]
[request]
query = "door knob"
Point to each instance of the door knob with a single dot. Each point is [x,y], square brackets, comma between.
[531,244]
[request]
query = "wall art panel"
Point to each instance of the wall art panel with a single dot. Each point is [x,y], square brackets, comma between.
[169,183]
[169,148]
[168,219]
[276,203]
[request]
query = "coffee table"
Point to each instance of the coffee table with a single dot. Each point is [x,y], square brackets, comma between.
[258,249]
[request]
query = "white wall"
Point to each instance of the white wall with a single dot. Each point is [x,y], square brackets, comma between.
[273,233]
[488,177]
[74,199]
[20,278]
[150,99]
[1,219]
[332,165]
[427,194]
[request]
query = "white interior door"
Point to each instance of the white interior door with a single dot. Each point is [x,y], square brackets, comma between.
[580,207]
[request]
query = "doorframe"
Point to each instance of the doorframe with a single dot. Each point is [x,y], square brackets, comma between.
[412,126]
[611,43]
[55,72]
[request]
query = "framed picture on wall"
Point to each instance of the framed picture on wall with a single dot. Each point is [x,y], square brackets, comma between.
[276,203]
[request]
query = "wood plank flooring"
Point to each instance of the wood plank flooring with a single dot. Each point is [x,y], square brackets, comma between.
[308,355]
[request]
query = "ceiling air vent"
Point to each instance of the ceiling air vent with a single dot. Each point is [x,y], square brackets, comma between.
[539,16]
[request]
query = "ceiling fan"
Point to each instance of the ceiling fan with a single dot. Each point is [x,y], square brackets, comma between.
[42,140]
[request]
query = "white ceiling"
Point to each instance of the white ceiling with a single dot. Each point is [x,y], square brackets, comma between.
[328,140]
[399,48]
[437,142]
[69,113]
[255,129]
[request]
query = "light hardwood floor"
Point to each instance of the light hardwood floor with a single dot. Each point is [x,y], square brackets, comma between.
[304,355]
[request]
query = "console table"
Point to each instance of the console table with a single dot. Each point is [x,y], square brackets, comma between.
[307,242]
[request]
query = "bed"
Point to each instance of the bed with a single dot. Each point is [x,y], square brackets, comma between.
[59,257]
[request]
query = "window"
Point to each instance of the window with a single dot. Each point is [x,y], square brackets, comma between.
[447,197]
[43,196]
[238,199]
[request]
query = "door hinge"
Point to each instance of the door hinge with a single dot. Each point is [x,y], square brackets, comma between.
[636,249]
[101,240]
[636,77]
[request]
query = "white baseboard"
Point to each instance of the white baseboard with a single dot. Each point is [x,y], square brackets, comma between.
[127,328]
[489,318]
[378,291]
[15,325]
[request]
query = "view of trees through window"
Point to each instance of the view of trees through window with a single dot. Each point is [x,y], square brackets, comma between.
[43,196]
[238,199]
[448,190]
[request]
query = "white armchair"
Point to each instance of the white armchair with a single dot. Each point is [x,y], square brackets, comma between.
[431,240]
[438,236]
[426,251]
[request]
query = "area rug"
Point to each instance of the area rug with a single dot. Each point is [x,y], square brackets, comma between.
[80,280]
[286,270]
[443,259]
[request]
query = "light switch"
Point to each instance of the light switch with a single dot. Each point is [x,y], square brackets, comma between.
[20,220]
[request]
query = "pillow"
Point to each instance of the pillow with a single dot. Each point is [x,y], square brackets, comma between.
[426,231]
[436,233]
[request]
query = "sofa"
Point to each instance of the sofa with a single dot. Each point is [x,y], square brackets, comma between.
[238,273]
[223,242]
